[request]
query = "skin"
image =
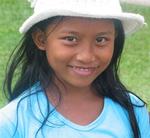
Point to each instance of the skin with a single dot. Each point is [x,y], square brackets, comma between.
[78,50]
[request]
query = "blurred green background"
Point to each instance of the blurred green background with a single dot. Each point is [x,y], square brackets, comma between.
[135,62]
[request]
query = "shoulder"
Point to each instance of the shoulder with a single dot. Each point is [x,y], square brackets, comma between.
[140,107]
[21,101]
[8,119]
[17,112]
[140,110]
[136,100]
[142,115]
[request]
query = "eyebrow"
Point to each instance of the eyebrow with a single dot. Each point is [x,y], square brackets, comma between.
[70,32]
[105,33]
[98,33]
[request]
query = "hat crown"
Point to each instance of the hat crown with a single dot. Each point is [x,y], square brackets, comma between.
[85,6]
[108,9]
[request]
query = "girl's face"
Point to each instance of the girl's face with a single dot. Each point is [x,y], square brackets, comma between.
[79,49]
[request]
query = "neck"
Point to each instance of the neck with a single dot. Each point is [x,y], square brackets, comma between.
[70,92]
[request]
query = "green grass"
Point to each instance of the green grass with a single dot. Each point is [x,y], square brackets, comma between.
[135,63]
[12,14]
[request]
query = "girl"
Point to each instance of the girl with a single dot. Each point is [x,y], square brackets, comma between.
[67,84]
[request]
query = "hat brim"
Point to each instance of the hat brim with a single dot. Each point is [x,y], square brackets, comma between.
[131,22]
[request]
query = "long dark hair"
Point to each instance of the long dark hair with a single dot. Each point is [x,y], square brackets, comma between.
[31,66]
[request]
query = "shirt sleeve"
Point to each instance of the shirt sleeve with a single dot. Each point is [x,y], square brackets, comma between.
[142,116]
[7,128]
[143,121]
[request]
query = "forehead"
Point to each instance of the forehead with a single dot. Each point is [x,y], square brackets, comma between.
[81,23]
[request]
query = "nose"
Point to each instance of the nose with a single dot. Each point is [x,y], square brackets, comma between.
[86,54]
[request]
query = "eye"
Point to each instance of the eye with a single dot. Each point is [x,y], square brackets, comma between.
[70,38]
[101,40]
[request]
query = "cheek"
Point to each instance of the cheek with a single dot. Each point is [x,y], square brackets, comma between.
[106,54]
[109,54]
[57,55]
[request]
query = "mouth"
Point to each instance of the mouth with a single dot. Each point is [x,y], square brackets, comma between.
[83,71]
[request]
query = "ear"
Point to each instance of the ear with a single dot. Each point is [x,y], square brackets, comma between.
[39,39]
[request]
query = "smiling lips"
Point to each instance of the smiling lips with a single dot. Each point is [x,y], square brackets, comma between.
[83,71]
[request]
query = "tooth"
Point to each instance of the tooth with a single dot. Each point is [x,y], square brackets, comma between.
[81,68]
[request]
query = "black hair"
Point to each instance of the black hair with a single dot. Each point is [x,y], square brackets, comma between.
[31,66]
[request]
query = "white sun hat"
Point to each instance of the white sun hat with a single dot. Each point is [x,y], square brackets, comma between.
[107,9]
